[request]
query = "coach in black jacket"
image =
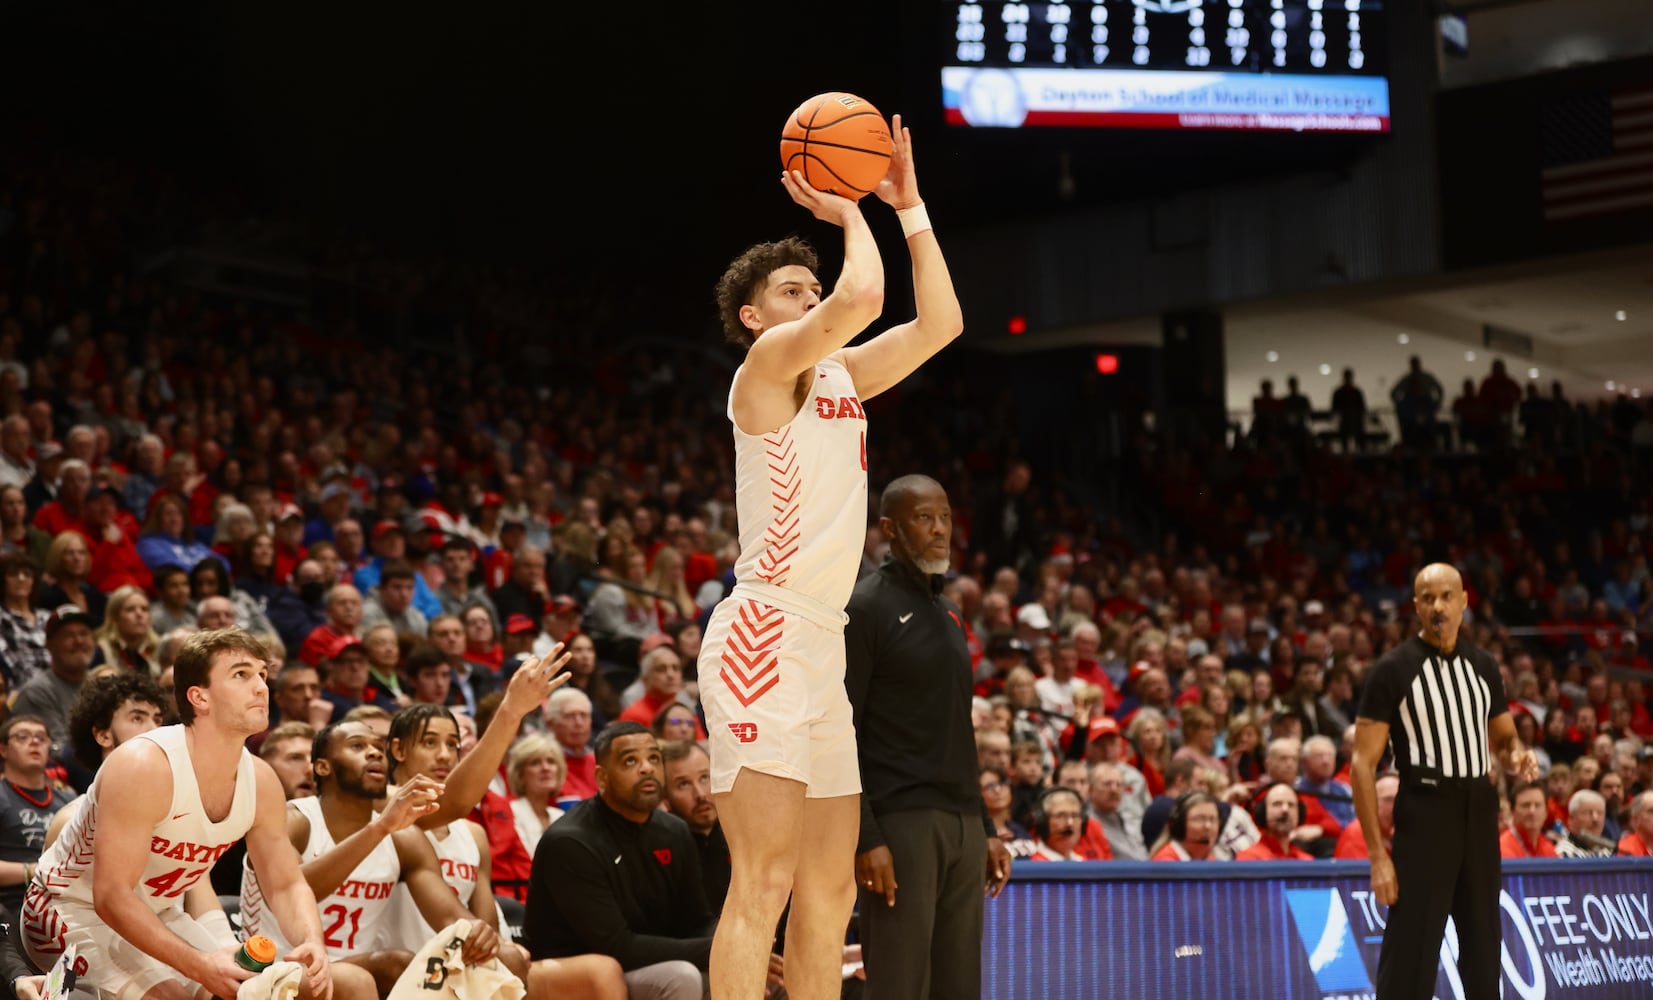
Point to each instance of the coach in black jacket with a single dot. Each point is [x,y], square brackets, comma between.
[927,848]
[617,876]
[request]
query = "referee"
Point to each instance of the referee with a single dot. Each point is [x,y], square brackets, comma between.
[1440,702]
[924,828]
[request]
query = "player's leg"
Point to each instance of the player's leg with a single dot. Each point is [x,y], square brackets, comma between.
[762,817]
[350,982]
[823,896]
[823,891]
[384,966]
[595,976]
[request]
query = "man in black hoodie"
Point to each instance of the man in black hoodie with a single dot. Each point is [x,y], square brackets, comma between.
[924,828]
[617,876]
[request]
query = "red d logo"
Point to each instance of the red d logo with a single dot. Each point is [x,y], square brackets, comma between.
[746,732]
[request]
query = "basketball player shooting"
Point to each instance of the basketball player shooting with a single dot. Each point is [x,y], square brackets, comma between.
[784,769]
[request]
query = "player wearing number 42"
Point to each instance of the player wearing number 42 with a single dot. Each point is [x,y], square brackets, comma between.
[112,882]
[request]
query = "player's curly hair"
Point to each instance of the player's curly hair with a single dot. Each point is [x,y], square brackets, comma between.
[95,708]
[747,275]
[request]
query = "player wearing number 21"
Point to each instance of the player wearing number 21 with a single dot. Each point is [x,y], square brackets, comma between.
[354,857]
[785,774]
[163,808]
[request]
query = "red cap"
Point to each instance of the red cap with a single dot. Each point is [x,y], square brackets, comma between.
[653,643]
[561,604]
[384,528]
[492,499]
[520,625]
[1138,668]
[339,645]
[1103,725]
[289,510]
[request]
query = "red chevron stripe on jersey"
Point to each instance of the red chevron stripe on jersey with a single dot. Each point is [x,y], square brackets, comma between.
[781,539]
[43,931]
[751,665]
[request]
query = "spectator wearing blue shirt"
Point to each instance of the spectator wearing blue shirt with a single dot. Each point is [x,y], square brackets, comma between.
[1622,592]
[390,545]
[1319,766]
[144,479]
[335,507]
[165,539]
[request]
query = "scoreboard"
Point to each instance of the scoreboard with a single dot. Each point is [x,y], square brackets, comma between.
[1273,65]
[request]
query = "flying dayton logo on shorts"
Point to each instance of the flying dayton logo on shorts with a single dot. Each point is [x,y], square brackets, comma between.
[1323,927]
[746,732]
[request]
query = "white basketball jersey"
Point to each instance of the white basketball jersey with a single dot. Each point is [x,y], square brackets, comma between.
[459,857]
[183,847]
[351,917]
[801,493]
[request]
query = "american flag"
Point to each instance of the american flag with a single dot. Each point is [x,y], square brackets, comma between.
[1597,154]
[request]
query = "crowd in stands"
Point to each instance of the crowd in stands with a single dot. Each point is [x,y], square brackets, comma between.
[403,529]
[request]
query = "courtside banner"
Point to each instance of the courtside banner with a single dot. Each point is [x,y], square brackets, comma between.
[1012,98]
[1262,931]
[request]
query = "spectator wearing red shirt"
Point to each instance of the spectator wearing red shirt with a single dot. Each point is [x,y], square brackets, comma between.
[1628,655]
[1637,842]
[115,560]
[1191,831]
[1558,785]
[567,714]
[1087,642]
[498,561]
[661,672]
[482,646]
[1352,842]
[344,617]
[1058,825]
[1320,828]
[289,542]
[68,511]
[1525,838]
[1280,815]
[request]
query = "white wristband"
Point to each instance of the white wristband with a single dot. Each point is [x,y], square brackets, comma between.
[914,220]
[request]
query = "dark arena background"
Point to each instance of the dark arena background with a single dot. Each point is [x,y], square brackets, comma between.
[1268,304]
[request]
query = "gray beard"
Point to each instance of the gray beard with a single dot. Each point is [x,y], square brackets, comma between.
[933,567]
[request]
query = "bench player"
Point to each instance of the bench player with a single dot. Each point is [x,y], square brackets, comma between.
[162,809]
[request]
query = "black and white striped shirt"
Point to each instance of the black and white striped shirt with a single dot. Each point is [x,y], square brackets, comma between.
[1437,707]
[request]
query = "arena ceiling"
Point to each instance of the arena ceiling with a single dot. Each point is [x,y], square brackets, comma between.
[1585,321]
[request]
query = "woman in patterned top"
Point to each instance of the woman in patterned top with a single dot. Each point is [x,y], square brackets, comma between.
[22,624]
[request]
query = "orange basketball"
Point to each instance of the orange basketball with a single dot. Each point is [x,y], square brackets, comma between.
[839,142]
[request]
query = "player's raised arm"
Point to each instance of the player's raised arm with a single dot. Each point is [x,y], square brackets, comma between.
[896,353]
[807,333]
